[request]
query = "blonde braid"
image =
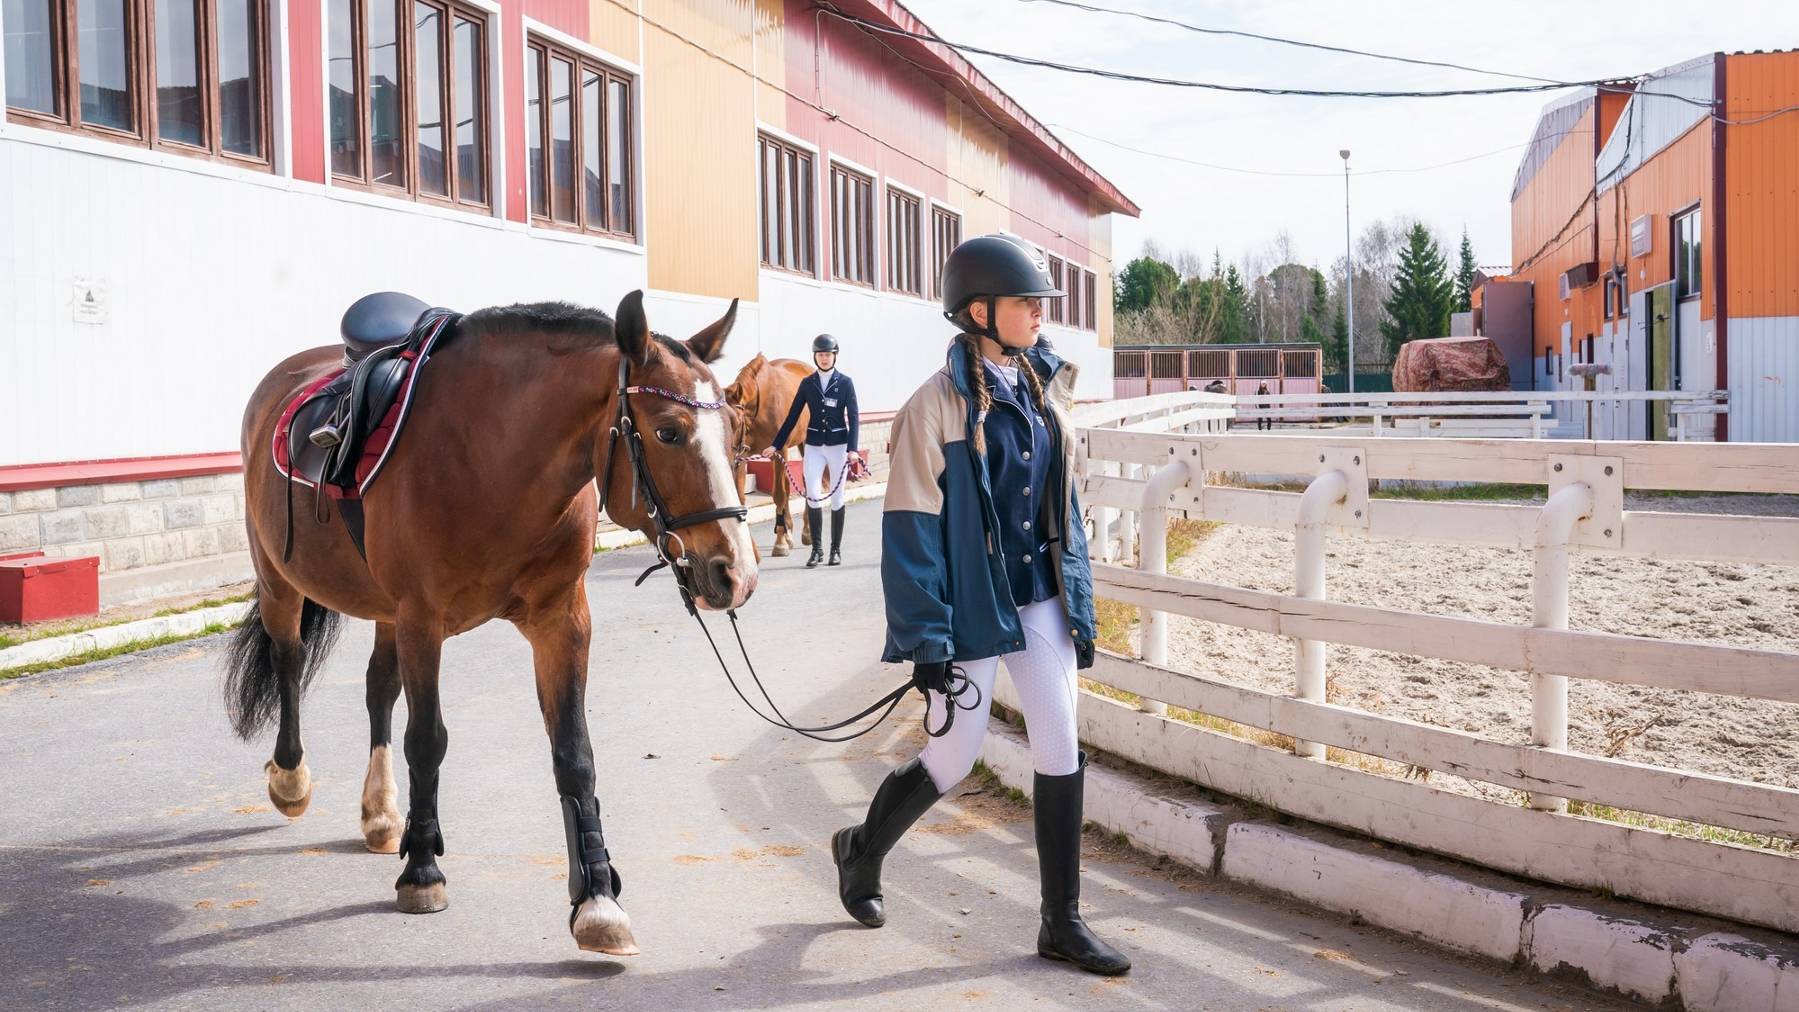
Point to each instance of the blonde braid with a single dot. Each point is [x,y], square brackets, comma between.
[983,396]
[1036,384]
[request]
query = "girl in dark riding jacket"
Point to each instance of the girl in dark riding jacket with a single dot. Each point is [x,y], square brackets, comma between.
[829,399]
[984,559]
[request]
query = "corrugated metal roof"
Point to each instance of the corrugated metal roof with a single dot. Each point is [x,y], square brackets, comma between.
[1553,124]
[1664,106]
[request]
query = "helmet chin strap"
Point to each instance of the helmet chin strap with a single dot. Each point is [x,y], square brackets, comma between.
[990,332]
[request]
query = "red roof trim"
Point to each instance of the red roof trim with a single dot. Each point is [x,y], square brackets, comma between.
[1036,136]
[26,477]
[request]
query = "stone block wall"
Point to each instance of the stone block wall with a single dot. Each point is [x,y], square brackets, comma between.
[192,524]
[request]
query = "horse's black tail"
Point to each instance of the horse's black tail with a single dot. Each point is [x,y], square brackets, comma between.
[253,679]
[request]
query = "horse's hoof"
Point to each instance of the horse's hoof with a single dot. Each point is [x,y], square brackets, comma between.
[428,899]
[601,925]
[381,840]
[289,790]
[779,551]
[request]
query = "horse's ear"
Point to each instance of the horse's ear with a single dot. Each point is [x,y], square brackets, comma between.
[632,329]
[709,344]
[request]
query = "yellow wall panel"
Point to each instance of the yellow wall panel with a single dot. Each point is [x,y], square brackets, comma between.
[699,150]
[978,181]
[771,62]
[612,25]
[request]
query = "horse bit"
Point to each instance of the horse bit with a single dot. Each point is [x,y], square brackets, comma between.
[624,426]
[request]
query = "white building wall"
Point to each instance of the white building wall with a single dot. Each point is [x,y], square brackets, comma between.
[210,275]
[1764,379]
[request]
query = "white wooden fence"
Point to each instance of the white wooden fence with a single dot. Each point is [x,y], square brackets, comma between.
[1519,414]
[1141,462]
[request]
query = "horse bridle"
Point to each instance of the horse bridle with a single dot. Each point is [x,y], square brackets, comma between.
[624,427]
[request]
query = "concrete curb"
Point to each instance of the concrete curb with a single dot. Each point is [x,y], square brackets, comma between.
[765,513]
[1653,956]
[55,648]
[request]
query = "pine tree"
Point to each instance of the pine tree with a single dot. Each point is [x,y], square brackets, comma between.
[1464,276]
[1144,282]
[1233,321]
[1422,295]
[1336,353]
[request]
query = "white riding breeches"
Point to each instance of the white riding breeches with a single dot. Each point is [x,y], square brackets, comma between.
[816,459]
[1043,673]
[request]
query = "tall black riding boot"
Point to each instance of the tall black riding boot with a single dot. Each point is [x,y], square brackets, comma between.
[1064,935]
[836,537]
[904,796]
[816,517]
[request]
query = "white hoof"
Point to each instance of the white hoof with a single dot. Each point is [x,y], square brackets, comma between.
[381,820]
[289,790]
[412,899]
[601,925]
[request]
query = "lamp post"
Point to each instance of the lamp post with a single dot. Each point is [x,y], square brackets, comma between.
[1348,276]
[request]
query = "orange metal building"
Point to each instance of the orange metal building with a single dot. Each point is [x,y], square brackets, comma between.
[1634,207]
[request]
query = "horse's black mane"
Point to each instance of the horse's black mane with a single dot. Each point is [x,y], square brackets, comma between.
[563,319]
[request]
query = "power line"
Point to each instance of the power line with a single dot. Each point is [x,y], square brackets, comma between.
[1279,40]
[1175,82]
[1308,175]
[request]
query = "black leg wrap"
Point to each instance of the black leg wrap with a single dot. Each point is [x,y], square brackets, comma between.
[590,870]
[422,836]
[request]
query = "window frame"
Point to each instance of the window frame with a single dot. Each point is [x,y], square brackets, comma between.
[609,73]
[1072,310]
[901,235]
[140,70]
[943,218]
[805,160]
[450,11]
[1682,267]
[1089,298]
[1058,311]
[870,236]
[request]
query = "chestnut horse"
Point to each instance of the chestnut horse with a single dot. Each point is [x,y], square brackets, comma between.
[761,396]
[486,509]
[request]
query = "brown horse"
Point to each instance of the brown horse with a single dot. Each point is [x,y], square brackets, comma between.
[761,396]
[486,509]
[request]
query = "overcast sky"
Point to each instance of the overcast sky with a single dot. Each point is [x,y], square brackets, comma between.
[1188,206]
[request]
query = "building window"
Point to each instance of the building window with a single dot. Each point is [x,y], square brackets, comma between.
[852,227]
[181,75]
[1057,311]
[787,203]
[1073,301]
[905,243]
[946,235]
[1611,295]
[1090,302]
[407,102]
[1688,269]
[578,134]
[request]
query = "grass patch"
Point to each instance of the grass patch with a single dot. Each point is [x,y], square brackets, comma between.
[211,602]
[102,653]
[1114,620]
[991,782]
[1681,827]
[1463,493]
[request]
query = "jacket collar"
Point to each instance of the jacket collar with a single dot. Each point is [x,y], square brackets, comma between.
[1056,373]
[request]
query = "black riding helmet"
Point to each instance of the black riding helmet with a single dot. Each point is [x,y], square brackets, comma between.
[824,342]
[991,266]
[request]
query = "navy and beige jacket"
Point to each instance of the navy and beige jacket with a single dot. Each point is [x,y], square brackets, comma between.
[832,419]
[953,538]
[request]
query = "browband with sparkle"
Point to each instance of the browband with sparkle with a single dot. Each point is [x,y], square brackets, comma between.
[678,398]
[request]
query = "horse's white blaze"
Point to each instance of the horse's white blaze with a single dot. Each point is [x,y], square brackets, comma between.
[709,434]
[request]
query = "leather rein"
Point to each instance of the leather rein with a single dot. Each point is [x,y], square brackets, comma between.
[667,524]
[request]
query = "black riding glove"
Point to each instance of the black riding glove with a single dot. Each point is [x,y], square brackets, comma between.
[931,675]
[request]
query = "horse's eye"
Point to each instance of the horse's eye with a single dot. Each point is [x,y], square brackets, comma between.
[669,434]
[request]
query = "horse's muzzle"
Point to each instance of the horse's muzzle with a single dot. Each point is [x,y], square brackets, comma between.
[723,582]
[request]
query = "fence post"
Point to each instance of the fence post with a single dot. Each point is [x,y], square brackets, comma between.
[1325,491]
[1127,520]
[1154,627]
[1549,610]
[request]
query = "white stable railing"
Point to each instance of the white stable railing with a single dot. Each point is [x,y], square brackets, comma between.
[1131,468]
[1519,414]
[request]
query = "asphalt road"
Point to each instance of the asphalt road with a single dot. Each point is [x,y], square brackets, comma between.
[141,864]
